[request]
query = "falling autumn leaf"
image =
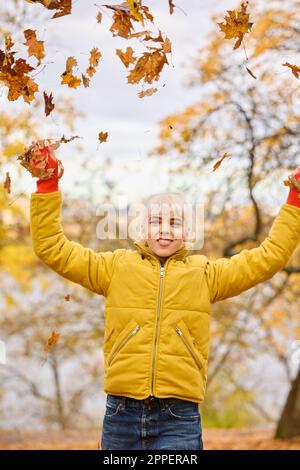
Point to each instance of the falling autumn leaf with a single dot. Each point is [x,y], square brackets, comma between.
[7,183]
[219,162]
[35,47]
[127,56]
[102,136]
[99,17]
[134,9]
[122,20]
[251,73]
[148,92]
[171,7]
[95,56]
[14,74]
[63,7]
[85,80]
[125,14]
[51,341]
[236,24]
[295,69]
[49,105]
[148,67]
[67,76]
[67,297]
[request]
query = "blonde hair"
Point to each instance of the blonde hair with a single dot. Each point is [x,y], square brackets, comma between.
[171,200]
[166,198]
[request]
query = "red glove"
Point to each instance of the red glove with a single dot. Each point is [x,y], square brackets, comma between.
[294,194]
[50,185]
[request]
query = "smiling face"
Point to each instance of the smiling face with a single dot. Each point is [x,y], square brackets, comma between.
[165,225]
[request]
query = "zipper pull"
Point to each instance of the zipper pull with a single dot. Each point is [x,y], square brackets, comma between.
[162,271]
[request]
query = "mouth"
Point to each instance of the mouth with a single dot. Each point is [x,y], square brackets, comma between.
[164,241]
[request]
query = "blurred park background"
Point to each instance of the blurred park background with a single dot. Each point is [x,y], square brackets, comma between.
[206,104]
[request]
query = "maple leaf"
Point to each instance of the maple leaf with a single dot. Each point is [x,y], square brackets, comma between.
[99,17]
[127,56]
[14,74]
[148,67]
[147,92]
[122,20]
[95,56]
[35,47]
[134,9]
[67,76]
[218,164]
[295,69]
[125,13]
[236,24]
[49,105]
[102,136]
[7,183]
[51,341]
[63,7]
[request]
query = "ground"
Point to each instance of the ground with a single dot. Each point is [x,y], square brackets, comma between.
[214,439]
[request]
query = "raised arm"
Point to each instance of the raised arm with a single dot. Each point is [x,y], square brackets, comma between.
[228,277]
[69,259]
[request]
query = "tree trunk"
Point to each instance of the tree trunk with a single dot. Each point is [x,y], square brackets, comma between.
[58,395]
[289,423]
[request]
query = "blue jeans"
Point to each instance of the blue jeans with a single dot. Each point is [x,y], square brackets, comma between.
[151,424]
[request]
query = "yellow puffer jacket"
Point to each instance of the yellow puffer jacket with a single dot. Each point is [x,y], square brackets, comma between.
[157,318]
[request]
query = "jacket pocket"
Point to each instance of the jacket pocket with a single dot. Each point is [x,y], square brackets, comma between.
[183,331]
[129,331]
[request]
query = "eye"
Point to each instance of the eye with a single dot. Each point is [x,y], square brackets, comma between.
[176,223]
[154,222]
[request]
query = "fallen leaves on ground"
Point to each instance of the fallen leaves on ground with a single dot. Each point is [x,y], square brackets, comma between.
[214,439]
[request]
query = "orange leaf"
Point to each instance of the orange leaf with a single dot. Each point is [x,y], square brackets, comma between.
[51,341]
[49,105]
[295,69]
[7,183]
[148,92]
[236,24]
[35,47]
[102,136]
[218,164]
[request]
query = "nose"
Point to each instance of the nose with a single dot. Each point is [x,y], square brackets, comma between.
[164,227]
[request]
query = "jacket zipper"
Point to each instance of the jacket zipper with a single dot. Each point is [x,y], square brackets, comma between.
[157,322]
[189,347]
[132,333]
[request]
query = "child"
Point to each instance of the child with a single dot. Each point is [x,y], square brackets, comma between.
[157,314]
